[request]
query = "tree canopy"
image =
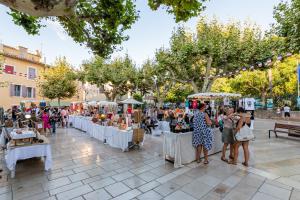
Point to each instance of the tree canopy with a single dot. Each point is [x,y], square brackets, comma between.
[215,49]
[98,24]
[286,14]
[59,82]
[115,77]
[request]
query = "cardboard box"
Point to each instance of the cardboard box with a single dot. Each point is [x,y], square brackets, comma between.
[138,136]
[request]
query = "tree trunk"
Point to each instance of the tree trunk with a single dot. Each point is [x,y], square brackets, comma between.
[263,98]
[211,82]
[207,74]
[42,8]
[58,101]
[195,87]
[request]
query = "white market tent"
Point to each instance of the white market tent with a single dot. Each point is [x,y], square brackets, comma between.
[212,95]
[107,103]
[131,101]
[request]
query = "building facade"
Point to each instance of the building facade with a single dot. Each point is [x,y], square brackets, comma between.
[21,71]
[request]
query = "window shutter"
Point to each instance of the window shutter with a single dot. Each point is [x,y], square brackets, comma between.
[12,90]
[33,92]
[24,91]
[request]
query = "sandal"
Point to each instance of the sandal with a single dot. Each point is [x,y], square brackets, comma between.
[224,159]
[199,161]
[206,162]
[245,164]
[232,162]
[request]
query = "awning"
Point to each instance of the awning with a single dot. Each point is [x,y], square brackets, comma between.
[62,104]
[131,101]
[212,95]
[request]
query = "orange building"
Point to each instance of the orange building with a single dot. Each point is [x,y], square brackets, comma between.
[21,70]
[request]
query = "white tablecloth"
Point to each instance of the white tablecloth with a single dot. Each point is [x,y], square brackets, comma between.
[23,135]
[12,155]
[179,146]
[164,125]
[112,135]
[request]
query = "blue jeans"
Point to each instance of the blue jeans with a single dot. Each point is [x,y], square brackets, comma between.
[53,125]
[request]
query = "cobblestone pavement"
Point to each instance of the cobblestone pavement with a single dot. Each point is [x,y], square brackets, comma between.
[84,168]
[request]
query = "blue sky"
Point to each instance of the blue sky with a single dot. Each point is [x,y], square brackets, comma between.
[150,32]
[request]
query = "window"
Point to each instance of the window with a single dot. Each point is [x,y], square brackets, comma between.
[29,92]
[31,73]
[8,69]
[17,90]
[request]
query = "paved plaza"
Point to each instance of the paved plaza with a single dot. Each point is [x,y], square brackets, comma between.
[84,168]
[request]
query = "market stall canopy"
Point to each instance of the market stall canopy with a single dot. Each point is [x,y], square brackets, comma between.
[131,101]
[62,104]
[212,95]
[107,103]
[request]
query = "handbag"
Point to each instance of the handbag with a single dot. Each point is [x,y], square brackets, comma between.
[244,134]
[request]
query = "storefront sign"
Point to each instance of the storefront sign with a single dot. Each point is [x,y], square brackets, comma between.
[258,103]
[269,104]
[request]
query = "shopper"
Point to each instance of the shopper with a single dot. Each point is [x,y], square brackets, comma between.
[46,123]
[287,111]
[244,119]
[227,134]
[202,134]
[53,120]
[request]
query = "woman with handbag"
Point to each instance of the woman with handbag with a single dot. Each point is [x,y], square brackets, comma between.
[243,136]
[202,134]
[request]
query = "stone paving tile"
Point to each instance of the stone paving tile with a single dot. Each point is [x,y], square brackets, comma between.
[60,174]
[6,196]
[85,168]
[295,195]
[128,195]
[78,177]
[209,180]
[262,196]
[122,176]
[24,192]
[147,176]
[149,186]
[96,171]
[96,195]
[56,183]
[182,180]
[179,195]
[65,188]
[134,182]
[150,195]
[166,188]
[274,191]
[5,189]
[116,189]
[194,190]
[39,196]
[102,183]
[76,192]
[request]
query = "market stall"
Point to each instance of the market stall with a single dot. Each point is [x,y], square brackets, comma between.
[178,143]
[178,146]
[25,144]
[111,135]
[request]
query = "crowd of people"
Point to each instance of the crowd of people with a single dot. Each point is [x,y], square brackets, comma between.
[50,117]
[230,124]
[199,121]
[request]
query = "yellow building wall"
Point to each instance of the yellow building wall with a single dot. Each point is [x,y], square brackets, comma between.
[21,66]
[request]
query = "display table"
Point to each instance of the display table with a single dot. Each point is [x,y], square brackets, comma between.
[13,154]
[111,135]
[179,146]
